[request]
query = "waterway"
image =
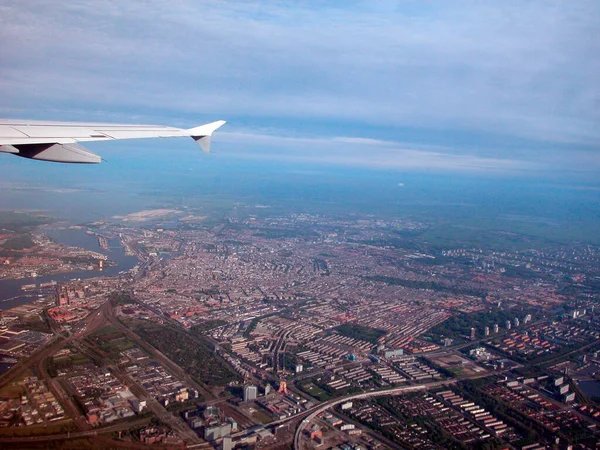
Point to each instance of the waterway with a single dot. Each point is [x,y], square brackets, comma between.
[590,388]
[11,294]
[5,367]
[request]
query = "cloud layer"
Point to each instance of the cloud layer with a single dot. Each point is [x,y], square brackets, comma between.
[495,84]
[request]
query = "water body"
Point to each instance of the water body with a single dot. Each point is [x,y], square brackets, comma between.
[11,294]
[590,388]
[5,367]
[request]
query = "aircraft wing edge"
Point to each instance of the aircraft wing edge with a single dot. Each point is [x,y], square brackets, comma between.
[203,133]
[57,141]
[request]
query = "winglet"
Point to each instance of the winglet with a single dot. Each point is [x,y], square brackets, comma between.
[203,133]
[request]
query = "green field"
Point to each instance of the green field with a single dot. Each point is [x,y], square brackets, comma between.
[315,391]
[360,332]
[193,354]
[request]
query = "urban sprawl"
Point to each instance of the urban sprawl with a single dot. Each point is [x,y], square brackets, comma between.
[298,331]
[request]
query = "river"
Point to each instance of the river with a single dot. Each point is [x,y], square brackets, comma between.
[11,294]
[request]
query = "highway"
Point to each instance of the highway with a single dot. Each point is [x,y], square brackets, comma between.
[93,322]
[331,403]
[157,409]
[76,434]
[104,315]
[318,409]
[156,354]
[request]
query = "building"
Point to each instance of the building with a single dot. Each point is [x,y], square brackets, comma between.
[283,388]
[217,432]
[472,333]
[227,443]
[486,331]
[299,368]
[211,412]
[138,405]
[234,424]
[315,431]
[267,389]
[62,296]
[496,328]
[516,321]
[508,325]
[250,393]
[393,353]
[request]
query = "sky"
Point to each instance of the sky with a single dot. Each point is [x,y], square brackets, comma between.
[508,88]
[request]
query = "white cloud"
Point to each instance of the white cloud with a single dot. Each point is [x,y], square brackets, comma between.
[525,69]
[358,152]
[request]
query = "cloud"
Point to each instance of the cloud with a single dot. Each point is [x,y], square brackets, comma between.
[358,152]
[446,74]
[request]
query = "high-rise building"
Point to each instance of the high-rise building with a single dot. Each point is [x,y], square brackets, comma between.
[496,328]
[233,422]
[486,331]
[283,388]
[217,432]
[472,333]
[516,321]
[62,295]
[250,393]
[508,325]
[227,443]
[267,389]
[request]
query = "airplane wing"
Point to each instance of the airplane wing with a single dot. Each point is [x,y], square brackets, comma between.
[59,141]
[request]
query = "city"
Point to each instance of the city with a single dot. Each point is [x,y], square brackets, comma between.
[335,225]
[299,330]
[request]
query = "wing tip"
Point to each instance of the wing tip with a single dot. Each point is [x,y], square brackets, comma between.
[203,133]
[207,129]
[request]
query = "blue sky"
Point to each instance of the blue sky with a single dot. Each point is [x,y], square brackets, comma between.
[483,87]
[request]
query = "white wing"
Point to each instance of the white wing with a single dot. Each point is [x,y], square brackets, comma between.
[58,141]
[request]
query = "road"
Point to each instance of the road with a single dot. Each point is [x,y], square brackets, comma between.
[482,339]
[158,411]
[564,356]
[156,354]
[331,403]
[178,425]
[63,398]
[76,434]
[318,409]
[277,348]
[93,322]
